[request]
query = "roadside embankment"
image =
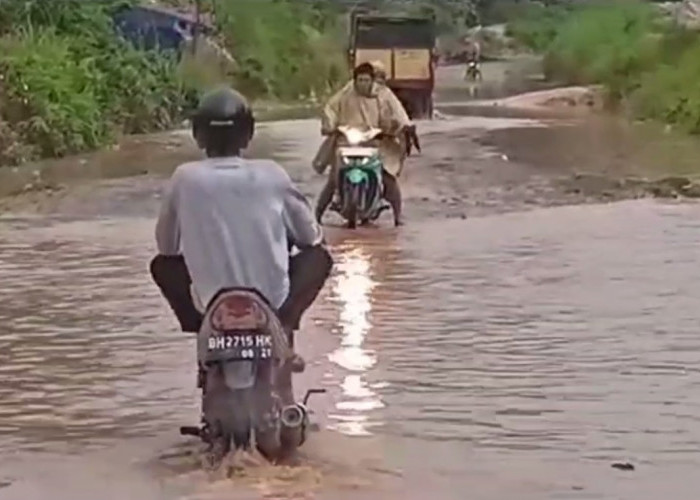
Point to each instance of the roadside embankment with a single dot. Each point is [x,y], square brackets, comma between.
[644,61]
[69,84]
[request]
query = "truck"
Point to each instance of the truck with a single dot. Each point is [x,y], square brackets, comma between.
[406,47]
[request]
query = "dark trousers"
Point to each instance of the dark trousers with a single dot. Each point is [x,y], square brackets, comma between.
[308,271]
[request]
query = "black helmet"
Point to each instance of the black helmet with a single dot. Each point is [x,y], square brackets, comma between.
[223,122]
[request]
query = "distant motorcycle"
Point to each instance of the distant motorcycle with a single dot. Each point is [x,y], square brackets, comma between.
[360,190]
[473,72]
[243,352]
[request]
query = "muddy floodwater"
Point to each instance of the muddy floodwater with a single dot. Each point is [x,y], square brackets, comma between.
[511,341]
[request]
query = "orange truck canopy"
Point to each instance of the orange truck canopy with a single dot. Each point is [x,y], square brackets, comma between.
[406,46]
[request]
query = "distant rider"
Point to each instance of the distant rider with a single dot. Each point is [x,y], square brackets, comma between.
[227,222]
[473,55]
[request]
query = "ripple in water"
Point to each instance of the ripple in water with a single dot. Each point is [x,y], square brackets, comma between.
[520,348]
[89,348]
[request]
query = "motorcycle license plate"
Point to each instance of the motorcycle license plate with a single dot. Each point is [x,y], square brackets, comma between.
[243,345]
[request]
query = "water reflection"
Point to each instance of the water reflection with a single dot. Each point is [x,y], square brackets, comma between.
[86,353]
[352,290]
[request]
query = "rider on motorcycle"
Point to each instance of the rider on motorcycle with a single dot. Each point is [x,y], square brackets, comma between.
[473,56]
[226,221]
[363,105]
[385,93]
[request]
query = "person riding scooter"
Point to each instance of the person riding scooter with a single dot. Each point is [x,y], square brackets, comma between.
[226,221]
[362,106]
[398,110]
[473,58]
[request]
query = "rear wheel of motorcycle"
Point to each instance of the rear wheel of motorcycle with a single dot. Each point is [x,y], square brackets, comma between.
[239,422]
[219,445]
[267,411]
[268,444]
[227,412]
[267,432]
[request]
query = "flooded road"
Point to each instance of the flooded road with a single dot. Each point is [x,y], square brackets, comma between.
[507,341]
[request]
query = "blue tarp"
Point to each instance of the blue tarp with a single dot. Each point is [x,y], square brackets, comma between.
[154,28]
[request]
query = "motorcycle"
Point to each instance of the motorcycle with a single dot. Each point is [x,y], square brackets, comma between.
[243,354]
[359,195]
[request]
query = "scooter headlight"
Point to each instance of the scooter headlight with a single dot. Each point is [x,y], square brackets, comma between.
[356,160]
[354,136]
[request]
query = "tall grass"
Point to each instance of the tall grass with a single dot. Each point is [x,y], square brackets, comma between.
[535,25]
[68,83]
[613,43]
[51,98]
[285,49]
[643,60]
[671,92]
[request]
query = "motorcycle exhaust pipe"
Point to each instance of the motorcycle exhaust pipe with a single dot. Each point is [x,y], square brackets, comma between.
[294,416]
[294,419]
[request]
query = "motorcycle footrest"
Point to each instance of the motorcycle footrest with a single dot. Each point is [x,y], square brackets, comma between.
[190,430]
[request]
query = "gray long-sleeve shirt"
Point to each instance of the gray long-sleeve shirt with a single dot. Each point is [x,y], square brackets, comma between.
[232,220]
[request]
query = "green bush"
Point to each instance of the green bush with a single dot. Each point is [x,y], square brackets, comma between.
[671,93]
[51,98]
[611,43]
[280,48]
[535,25]
[638,56]
[69,84]
[62,98]
[67,17]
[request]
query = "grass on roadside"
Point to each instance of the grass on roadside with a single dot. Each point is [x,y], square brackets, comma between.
[643,60]
[61,98]
[68,83]
[285,49]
